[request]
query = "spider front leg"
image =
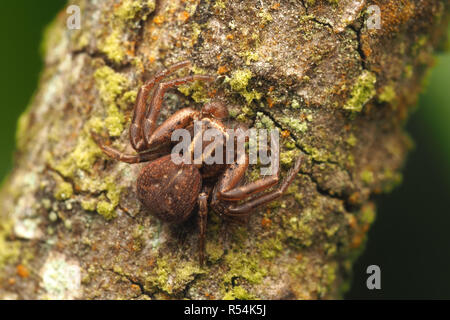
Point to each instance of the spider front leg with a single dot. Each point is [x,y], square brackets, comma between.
[140,107]
[127,158]
[162,139]
[151,116]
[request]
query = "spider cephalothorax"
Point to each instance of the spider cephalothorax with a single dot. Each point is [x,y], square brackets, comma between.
[172,191]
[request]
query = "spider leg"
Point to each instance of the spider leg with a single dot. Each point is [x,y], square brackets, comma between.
[123,157]
[180,119]
[136,133]
[202,221]
[229,190]
[151,116]
[246,207]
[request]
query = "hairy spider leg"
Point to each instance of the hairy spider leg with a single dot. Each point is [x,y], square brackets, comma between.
[247,206]
[162,138]
[140,107]
[151,116]
[202,221]
[127,158]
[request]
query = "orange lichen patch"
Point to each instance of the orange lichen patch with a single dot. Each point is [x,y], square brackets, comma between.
[159,20]
[11,281]
[270,102]
[266,222]
[271,88]
[275,6]
[212,93]
[230,36]
[131,48]
[356,241]
[285,133]
[299,257]
[183,16]
[151,59]
[151,262]
[222,69]
[209,296]
[22,271]
[355,198]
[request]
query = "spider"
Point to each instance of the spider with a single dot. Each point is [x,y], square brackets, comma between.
[172,191]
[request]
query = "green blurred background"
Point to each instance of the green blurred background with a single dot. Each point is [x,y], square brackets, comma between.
[410,239]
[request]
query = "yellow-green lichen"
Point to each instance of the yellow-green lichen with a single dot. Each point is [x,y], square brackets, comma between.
[9,250]
[240,79]
[244,266]
[171,276]
[113,47]
[107,209]
[300,231]
[238,293]
[214,251]
[320,155]
[111,85]
[387,94]
[287,157]
[263,121]
[82,157]
[89,205]
[219,4]
[367,214]
[351,140]
[63,191]
[295,104]
[239,82]
[249,56]
[129,9]
[367,177]
[362,92]
[270,248]
[196,90]
[265,16]
[294,125]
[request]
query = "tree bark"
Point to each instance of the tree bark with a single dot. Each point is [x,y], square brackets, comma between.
[71,225]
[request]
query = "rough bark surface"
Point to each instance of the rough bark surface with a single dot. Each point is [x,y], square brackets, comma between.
[71,226]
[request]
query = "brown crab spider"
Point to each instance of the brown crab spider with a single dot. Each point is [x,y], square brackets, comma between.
[172,191]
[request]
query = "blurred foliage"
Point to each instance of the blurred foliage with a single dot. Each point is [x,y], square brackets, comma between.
[410,238]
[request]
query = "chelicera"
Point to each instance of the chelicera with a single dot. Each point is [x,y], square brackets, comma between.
[172,192]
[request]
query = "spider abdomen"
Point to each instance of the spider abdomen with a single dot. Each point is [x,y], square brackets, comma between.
[168,190]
